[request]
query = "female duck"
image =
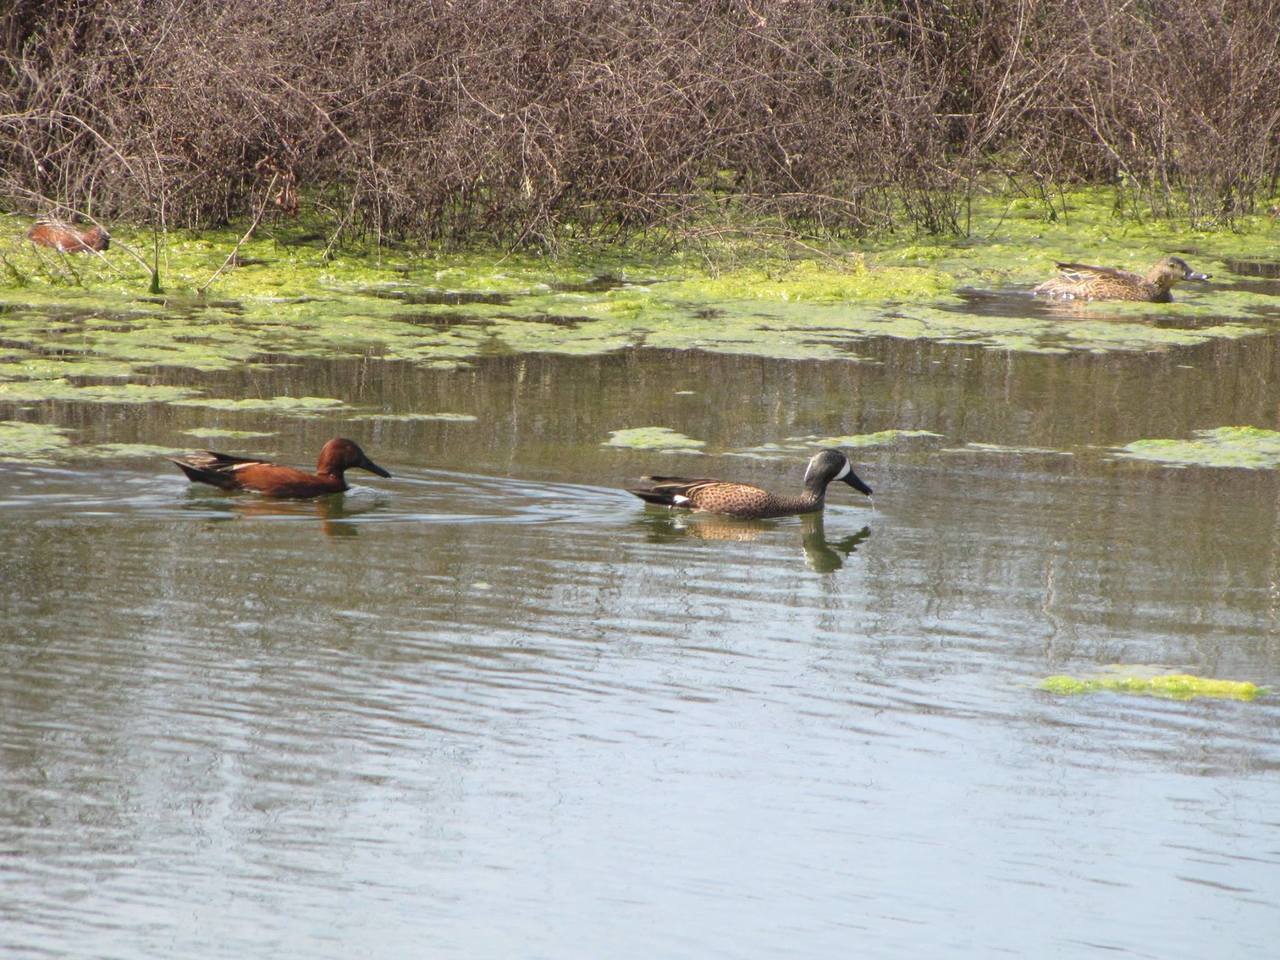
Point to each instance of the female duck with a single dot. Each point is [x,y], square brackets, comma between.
[272,480]
[1079,281]
[746,502]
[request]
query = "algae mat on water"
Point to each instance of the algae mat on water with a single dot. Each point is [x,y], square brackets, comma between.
[92,317]
[1242,447]
[44,443]
[658,439]
[1144,682]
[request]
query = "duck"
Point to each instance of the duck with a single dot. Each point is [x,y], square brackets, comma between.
[272,480]
[747,502]
[68,239]
[1079,281]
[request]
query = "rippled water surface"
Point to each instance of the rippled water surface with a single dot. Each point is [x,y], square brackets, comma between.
[496,707]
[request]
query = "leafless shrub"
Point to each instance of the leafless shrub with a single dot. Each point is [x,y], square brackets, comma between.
[446,121]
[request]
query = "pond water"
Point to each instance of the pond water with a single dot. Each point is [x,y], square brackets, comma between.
[497,707]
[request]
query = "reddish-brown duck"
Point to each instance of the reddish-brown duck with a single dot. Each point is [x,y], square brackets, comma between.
[273,480]
[68,239]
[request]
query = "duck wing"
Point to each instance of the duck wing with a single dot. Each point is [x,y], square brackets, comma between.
[686,491]
[216,469]
[1077,272]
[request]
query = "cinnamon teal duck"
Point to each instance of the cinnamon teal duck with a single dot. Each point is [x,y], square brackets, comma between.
[1079,281]
[746,502]
[68,239]
[273,480]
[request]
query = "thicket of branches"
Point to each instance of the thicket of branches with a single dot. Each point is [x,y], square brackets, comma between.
[520,121]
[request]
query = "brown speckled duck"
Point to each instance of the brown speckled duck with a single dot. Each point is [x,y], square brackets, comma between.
[1079,281]
[746,502]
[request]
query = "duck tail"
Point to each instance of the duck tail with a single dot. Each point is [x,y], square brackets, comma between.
[199,474]
[663,498]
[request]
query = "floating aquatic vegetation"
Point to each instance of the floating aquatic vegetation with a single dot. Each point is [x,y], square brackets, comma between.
[660,439]
[816,281]
[217,433]
[411,417]
[33,442]
[1007,449]
[1244,447]
[1175,686]
[879,439]
[793,446]
[282,406]
[122,451]
[33,391]
[299,300]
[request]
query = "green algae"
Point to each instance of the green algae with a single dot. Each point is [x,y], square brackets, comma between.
[658,439]
[32,442]
[34,391]
[880,438]
[300,300]
[804,446]
[1250,448]
[122,451]
[834,280]
[45,443]
[414,417]
[1173,686]
[217,433]
[1011,449]
[279,406]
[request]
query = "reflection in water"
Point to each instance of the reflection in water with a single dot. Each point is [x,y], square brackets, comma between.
[822,555]
[665,525]
[333,511]
[825,555]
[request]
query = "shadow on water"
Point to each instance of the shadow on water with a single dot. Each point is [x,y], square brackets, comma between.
[823,555]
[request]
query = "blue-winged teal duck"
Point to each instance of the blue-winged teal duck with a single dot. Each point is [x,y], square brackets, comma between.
[1079,281]
[273,480]
[68,239]
[746,502]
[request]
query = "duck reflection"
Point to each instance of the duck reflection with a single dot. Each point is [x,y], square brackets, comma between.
[333,511]
[821,554]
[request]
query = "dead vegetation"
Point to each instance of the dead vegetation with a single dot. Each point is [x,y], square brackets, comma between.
[522,123]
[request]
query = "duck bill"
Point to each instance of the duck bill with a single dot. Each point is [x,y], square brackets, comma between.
[854,481]
[1193,275]
[367,464]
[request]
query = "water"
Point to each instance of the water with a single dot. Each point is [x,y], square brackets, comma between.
[496,707]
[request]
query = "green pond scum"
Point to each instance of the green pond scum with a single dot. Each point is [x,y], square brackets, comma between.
[1250,448]
[657,439]
[33,442]
[74,318]
[44,443]
[1136,680]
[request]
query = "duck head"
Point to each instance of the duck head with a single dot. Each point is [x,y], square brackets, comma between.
[829,465]
[341,454]
[1172,269]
